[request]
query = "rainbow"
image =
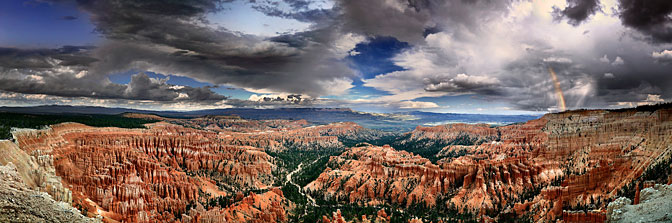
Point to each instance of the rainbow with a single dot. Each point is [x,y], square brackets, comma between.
[558,90]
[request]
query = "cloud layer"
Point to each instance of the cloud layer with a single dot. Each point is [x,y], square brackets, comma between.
[606,53]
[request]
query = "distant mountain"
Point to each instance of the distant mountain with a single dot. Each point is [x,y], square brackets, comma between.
[402,121]
[67,109]
[431,118]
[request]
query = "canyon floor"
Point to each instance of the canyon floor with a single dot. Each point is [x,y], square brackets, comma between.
[574,166]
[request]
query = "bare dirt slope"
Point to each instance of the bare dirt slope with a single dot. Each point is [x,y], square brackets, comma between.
[655,206]
[18,203]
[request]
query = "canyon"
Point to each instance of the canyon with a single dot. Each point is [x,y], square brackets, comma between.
[164,172]
[570,166]
[564,166]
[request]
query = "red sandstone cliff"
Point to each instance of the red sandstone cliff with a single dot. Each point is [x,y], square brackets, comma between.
[145,175]
[593,154]
[153,174]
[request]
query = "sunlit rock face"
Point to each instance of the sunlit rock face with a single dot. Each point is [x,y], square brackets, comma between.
[163,173]
[565,166]
[280,135]
[258,208]
[545,168]
[143,174]
[309,138]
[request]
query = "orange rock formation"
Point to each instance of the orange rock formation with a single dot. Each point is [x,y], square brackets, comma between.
[145,175]
[589,154]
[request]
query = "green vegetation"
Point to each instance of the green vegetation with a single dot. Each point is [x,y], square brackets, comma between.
[221,201]
[311,172]
[439,212]
[289,160]
[649,108]
[292,193]
[349,212]
[425,148]
[385,139]
[658,173]
[10,120]
[455,154]
[512,218]
[641,108]
[529,193]
[429,149]
[397,213]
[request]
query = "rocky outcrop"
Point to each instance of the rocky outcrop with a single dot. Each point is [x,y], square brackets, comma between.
[549,168]
[236,124]
[142,175]
[470,133]
[372,175]
[255,208]
[154,174]
[308,138]
[655,206]
[20,203]
[36,170]
[337,217]
[376,175]
[584,217]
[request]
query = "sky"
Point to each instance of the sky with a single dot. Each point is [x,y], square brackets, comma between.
[460,56]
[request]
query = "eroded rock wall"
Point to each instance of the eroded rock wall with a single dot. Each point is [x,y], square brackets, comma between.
[548,168]
[144,175]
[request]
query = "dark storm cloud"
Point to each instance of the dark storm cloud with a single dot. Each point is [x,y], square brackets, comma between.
[464,84]
[409,21]
[630,74]
[299,11]
[64,72]
[585,82]
[527,83]
[577,11]
[144,88]
[174,38]
[45,58]
[455,47]
[66,83]
[651,17]
[69,17]
[379,18]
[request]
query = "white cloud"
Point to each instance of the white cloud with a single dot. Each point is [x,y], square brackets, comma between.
[81,74]
[338,86]
[664,56]
[510,56]
[618,61]
[346,43]
[182,96]
[414,104]
[461,83]
[558,60]
[651,99]
[654,98]
[604,59]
